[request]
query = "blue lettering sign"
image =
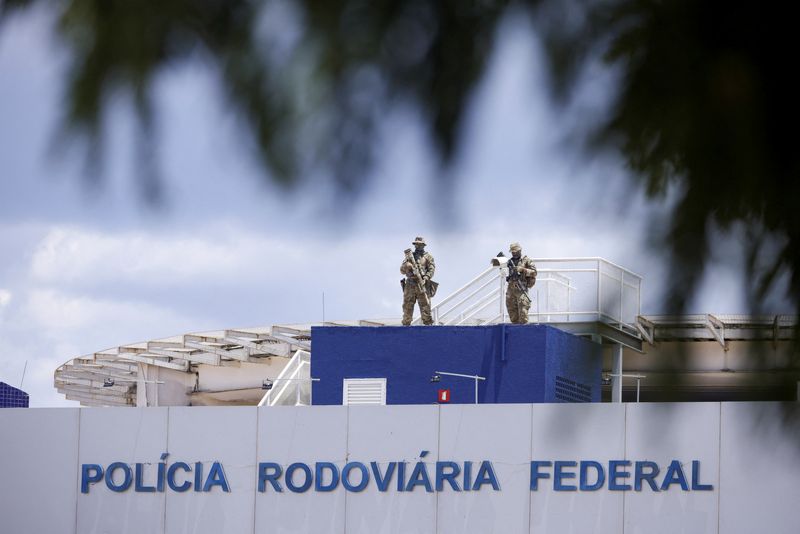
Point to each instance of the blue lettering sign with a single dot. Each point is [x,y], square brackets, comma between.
[307,480]
[486,476]
[300,477]
[614,473]
[216,477]
[139,480]
[348,468]
[640,475]
[171,477]
[419,476]
[269,472]
[90,473]
[600,475]
[382,480]
[674,475]
[126,480]
[696,486]
[536,474]
[559,475]
[467,476]
[451,477]
[592,475]
[319,476]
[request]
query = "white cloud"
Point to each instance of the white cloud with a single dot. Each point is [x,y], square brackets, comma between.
[285,275]
[51,327]
[5,298]
[78,255]
[39,384]
[85,322]
[34,358]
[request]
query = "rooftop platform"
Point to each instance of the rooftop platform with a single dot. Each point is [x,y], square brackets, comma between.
[587,297]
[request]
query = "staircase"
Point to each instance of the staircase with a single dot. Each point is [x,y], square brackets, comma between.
[567,290]
[292,387]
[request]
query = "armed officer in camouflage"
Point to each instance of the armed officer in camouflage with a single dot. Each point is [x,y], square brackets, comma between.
[521,277]
[418,267]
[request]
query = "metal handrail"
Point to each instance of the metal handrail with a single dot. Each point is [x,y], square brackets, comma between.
[462,288]
[286,383]
[588,258]
[611,297]
[484,303]
[289,373]
[475,292]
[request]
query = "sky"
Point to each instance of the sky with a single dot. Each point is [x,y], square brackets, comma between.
[84,268]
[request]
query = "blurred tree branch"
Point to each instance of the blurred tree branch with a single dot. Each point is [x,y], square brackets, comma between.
[705,103]
[316,110]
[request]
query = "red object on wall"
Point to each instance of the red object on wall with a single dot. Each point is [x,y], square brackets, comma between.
[444,395]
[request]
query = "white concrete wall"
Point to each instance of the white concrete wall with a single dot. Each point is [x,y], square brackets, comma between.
[749,452]
[39,469]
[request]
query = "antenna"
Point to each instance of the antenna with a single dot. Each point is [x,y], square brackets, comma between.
[23,374]
[323,308]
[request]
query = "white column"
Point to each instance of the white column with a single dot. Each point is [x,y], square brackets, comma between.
[616,373]
[141,391]
[157,371]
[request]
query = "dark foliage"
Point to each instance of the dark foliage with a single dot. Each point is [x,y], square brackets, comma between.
[311,107]
[706,103]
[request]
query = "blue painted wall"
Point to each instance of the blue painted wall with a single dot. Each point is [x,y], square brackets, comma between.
[520,362]
[11,397]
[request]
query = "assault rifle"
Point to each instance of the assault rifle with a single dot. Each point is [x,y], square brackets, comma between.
[516,278]
[428,288]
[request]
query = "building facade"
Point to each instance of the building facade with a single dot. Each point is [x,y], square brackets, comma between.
[11,397]
[505,468]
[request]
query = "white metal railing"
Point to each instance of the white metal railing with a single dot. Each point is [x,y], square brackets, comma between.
[292,387]
[566,290]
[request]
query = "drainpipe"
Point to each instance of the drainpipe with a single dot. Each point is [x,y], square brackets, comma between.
[503,345]
[616,378]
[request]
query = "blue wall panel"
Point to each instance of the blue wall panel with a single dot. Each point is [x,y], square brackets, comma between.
[571,358]
[517,361]
[11,397]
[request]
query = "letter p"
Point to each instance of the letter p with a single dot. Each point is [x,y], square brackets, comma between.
[90,473]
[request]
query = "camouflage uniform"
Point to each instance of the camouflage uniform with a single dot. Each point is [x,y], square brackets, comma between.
[517,301]
[412,291]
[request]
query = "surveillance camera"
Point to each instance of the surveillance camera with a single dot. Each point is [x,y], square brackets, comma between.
[500,260]
[435,378]
[267,384]
[108,382]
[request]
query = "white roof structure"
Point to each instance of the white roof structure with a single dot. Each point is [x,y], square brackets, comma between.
[110,377]
[716,327]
